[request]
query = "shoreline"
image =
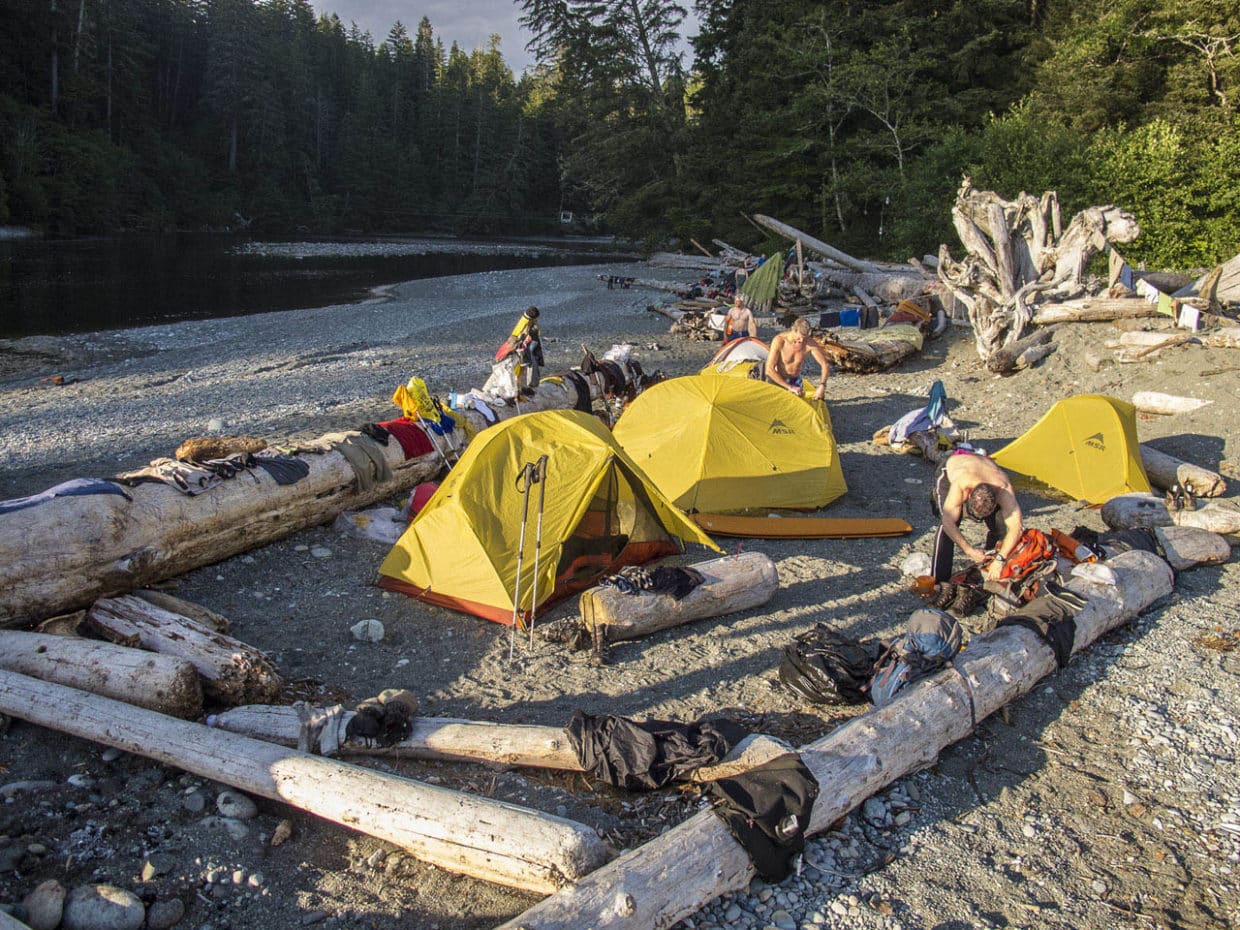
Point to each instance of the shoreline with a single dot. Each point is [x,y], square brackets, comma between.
[304,372]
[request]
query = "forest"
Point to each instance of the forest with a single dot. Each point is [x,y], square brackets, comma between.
[852,120]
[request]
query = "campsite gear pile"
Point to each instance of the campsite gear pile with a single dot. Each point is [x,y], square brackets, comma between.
[766,808]
[518,360]
[823,666]
[1033,560]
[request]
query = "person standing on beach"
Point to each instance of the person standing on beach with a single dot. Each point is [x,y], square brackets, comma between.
[739,322]
[787,356]
[970,484]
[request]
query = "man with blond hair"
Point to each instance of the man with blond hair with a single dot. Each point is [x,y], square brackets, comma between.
[787,356]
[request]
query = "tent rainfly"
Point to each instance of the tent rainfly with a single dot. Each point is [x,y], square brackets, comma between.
[722,445]
[599,512]
[1085,446]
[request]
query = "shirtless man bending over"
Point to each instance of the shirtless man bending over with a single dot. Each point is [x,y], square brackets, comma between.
[787,355]
[970,484]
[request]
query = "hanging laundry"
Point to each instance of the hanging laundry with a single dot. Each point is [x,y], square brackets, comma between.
[77,487]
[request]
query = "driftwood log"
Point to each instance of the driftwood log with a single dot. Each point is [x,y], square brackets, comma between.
[203,615]
[679,872]
[1166,404]
[102,545]
[231,671]
[1093,310]
[1129,511]
[1023,353]
[443,738]
[1017,253]
[734,583]
[1165,471]
[486,839]
[1228,338]
[164,684]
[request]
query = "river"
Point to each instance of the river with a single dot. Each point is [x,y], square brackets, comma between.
[54,287]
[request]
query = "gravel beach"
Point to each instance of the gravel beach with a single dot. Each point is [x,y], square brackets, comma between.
[1108,797]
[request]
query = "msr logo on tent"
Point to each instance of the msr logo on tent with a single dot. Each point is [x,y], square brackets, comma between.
[1096,441]
[780,428]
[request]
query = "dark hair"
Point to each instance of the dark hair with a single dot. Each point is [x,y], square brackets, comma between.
[531,313]
[982,501]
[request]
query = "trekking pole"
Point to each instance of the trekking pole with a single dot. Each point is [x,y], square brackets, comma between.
[540,475]
[430,434]
[523,485]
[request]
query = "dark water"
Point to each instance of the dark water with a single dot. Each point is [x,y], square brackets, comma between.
[57,287]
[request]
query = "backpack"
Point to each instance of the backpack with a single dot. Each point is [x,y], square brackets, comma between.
[1033,550]
[825,667]
[930,642]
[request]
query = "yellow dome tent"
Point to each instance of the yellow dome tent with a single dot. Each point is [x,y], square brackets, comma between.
[722,445]
[599,513]
[1086,446]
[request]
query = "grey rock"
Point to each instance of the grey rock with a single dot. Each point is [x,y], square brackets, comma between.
[313,917]
[164,914]
[102,907]
[234,828]
[45,905]
[215,425]
[111,754]
[874,811]
[235,805]
[195,802]
[14,788]
[255,880]
[78,780]
[839,908]
[10,858]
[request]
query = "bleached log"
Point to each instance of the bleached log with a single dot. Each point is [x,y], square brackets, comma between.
[203,615]
[687,867]
[690,262]
[1189,546]
[822,248]
[1094,310]
[1166,404]
[102,545]
[161,683]
[447,739]
[886,287]
[1228,338]
[432,738]
[1129,511]
[486,839]
[1142,339]
[231,671]
[1166,471]
[731,584]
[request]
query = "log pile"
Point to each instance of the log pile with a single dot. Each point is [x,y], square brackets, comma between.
[1017,255]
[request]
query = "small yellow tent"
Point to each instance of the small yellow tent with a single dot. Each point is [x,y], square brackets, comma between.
[722,445]
[599,513]
[1086,446]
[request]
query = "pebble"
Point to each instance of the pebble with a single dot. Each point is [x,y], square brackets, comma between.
[195,802]
[14,788]
[111,754]
[235,805]
[215,424]
[256,880]
[375,859]
[1028,830]
[81,781]
[102,907]
[10,858]
[234,828]
[368,631]
[313,917]
[874,811]
[164,914]
[45,905]
[321,552]
[157,864]
[238,876]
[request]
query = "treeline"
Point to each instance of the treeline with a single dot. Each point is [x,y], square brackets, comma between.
[190,113]
[853,119]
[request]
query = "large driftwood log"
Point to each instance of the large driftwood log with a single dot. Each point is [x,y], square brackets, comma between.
[817,245]
[1093,310]
[160,683]
[1129,511]
[206,617]
[736,582]
[231,671]
[676,874]
[1016,254]
[443,738]
[1166,404]
[102,545]
[432,738]
[1166,471]
[487,839]
[1189,546]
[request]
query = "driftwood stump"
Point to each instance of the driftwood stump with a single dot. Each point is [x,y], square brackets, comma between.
[1018,253]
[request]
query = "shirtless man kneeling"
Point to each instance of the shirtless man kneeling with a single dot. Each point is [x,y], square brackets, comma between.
[787,355]
[970,484]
